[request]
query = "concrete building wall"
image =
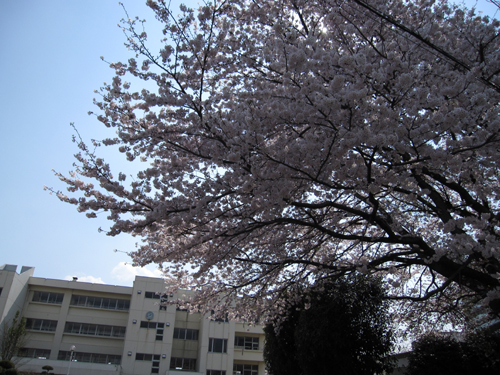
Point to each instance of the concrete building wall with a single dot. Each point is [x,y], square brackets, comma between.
[14,288]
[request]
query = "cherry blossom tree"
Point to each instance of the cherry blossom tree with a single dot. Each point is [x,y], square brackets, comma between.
[292,141]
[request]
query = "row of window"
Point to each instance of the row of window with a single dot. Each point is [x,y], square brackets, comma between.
[149,324]
[187,364]
[34,353]
[57,298]
[94,329]
[215,345]
[176,363]
[249,343]
[147,357]
[95,302]
[220,345]
[77,356]
[100,302]
[110,359]
[244,369]
[104,303]
[224,319]
[238,369]
[76,328]
[82,301]
[48,297]
[185,334]
[41,325]
[154,295]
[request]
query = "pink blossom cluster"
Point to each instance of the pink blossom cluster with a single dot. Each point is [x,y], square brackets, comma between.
[292,141]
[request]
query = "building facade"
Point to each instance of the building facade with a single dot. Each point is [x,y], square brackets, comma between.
[83,328]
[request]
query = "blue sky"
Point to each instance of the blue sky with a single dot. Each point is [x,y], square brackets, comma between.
[49,69]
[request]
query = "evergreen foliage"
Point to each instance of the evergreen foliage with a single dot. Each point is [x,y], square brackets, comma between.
[7,367]
[12,337]
[342,326]
[46,369]
[440,354]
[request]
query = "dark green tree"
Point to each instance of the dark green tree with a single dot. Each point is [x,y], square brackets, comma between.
[340,327]
[13,336]
[280,344]
[435,354]
[47,369]
[7,367]
[443,354]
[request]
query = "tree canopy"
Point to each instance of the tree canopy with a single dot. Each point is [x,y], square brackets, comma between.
[290,141]
[443,354]
[12,337]
[47,369]
[7,367]
[340,327]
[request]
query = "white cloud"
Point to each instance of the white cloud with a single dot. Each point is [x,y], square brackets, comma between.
[122,274]
[87,279]
[125,272]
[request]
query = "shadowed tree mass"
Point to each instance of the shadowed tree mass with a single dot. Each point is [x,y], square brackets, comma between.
[354,336]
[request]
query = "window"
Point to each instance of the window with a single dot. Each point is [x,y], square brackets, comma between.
[146,324]
[152,295]
[41,325]
[100,302]
[147,357]
[143,357]
[163,297]
[99,358]
[34,353]
[177,363]
[248,343]
[159,334]
[185,334]
[48,297]
[94,329]
[110,359]
[244,369]
[158,326]
[224,319]
[155,358]
[155,368]
[217,345]
[163,302]
[216,372]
